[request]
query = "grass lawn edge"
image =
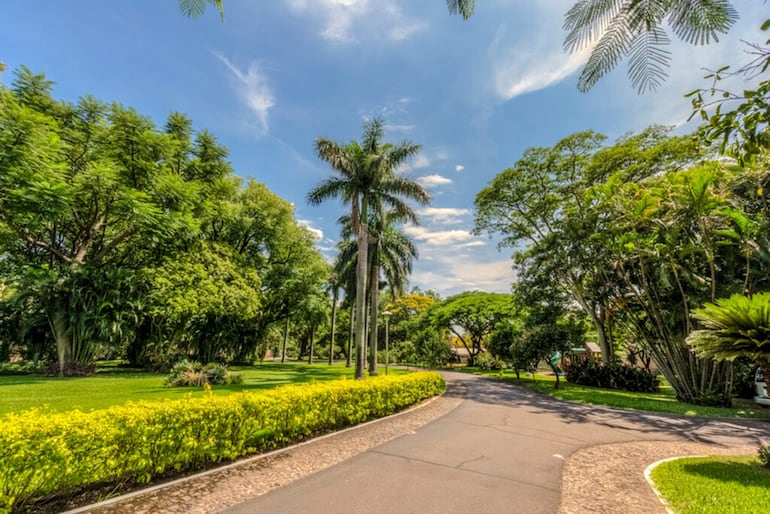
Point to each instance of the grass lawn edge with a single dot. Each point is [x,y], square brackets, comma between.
[651,482]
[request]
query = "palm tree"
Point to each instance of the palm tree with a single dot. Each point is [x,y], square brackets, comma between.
[366,177]
[334,286]
[738,326]
[391,252]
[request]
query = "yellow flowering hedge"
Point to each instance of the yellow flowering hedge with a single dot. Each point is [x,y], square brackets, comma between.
[46,454]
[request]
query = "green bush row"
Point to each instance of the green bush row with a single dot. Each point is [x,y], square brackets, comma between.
[611,376]
[45,454]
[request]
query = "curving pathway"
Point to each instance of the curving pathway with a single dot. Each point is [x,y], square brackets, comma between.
[501,450]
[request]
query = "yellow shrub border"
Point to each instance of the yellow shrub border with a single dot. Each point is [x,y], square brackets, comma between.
[56,453]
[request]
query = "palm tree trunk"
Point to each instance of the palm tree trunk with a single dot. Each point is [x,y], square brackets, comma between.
[334,325]
[361,276]
[374,285]
[349,361]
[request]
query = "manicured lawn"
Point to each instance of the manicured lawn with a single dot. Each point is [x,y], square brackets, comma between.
[663,401]
[714,485]
[22,392]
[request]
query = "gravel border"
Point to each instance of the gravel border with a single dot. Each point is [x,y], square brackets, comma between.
[610,478]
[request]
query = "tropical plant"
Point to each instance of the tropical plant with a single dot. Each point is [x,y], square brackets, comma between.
[734,327]
[367,179]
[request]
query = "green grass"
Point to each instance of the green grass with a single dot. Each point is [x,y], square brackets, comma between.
[21,392]
[662,401]
[714,485]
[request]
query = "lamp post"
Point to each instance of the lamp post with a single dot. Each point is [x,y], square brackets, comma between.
[387,315]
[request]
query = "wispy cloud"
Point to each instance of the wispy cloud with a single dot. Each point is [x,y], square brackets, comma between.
[346,21]
[459,168]
[433,180]
[443,215]
[452,275]
[254,90]
[523,63]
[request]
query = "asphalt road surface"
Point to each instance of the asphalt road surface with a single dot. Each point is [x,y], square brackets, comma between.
[500,451]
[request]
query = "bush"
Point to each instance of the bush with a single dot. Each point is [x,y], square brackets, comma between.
[489,362]
[611,376]
[764,452]
[23,368]
[71,369]
[186,373]
[52,454]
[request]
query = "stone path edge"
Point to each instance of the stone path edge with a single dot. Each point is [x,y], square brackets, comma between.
[247,460]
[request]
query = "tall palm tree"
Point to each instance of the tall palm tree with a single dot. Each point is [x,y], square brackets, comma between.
[390,252]
[333,285]
[366,177]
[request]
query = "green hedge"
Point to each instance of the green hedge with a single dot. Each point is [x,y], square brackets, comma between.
[46,454]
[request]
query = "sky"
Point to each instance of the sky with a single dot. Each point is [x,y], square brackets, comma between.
[275,75]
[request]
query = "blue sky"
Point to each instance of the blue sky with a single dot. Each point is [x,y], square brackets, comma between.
[277,74]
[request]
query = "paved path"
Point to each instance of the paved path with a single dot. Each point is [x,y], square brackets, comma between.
[501,450]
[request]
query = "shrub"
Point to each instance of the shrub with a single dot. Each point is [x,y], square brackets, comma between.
[46,454]
[764,452]
[611,376]
[23,368]
[489,362]
[187,373]
[71,369]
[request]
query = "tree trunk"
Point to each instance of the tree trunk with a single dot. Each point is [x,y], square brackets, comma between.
[361,276]
[62,333]
[334,325]
[374,286]
[285,339]
[312,345]
[349,360]
[601,331]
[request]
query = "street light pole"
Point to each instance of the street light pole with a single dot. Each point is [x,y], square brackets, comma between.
[387,315]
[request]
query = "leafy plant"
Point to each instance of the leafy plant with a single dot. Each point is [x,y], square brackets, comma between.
[186,373]
[489,362]
[764,452]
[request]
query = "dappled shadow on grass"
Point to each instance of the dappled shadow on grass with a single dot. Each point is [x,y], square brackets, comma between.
[642,424]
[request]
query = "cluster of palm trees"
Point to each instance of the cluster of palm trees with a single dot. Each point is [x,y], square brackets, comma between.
[372,245]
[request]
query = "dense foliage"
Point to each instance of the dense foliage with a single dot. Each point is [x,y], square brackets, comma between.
[121,238]
[611,376]
[639,234]
[43,454]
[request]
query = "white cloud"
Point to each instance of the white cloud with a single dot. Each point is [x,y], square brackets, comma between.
[443,215]
[347,21]
[472,244]
[452,275]
[317,232]
[433,180]
[420,161]
[437,238]
[459,168]
[254,90]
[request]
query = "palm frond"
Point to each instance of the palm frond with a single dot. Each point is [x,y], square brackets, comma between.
[196,8]
[329,188]
[587,20]
[648,60]
[463,7]
[698,22]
